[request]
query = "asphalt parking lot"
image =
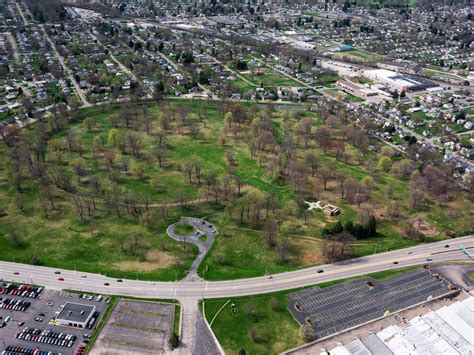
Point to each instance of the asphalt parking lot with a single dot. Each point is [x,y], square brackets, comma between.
[136,327]
[37,318]
[362,300]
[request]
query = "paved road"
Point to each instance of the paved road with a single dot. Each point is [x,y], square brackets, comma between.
[25,22]
[205,228]
[66,69]
[216,289]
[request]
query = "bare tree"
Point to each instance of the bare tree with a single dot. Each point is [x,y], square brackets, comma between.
[323,138]
[283,249]
[135,144]
[304,129]
[270,231]
[325,174]
[337,246]
[417,199]
[311,160]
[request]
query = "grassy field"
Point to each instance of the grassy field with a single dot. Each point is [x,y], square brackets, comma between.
[353,98]
[270,77]
[430,73]
[60,238]
[267,316]
[411,3]
[360,54]
[184,229]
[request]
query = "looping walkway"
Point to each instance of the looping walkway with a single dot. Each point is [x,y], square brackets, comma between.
[203,228]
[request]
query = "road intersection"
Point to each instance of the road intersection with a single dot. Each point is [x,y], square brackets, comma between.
[190,292]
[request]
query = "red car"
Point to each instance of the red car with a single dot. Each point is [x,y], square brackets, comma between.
[60,279]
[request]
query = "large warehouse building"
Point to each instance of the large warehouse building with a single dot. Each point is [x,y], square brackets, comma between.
[449,331]
[399,82]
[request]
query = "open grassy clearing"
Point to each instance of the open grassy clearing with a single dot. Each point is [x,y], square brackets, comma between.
[266,316]
[359,54]
[269,77]
[429,73]
[184,229]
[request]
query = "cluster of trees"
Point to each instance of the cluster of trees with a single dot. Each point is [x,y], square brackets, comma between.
[241,65]
[359,231]
[47,11]
[186,57]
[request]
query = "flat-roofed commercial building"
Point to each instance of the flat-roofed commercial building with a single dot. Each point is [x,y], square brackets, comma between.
[398,81]
[75,315]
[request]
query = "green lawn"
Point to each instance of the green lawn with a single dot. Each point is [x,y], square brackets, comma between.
[184,229]
[430,73]
[353,98]
[270,78]
[361,54]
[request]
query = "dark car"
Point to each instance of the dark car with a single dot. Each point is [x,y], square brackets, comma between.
[319,271]
[60,279]
[57,272]
[106,284]
[119,280]
[395,262]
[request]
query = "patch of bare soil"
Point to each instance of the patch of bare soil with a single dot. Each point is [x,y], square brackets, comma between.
[308,253]
[154,260]
[424,227]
